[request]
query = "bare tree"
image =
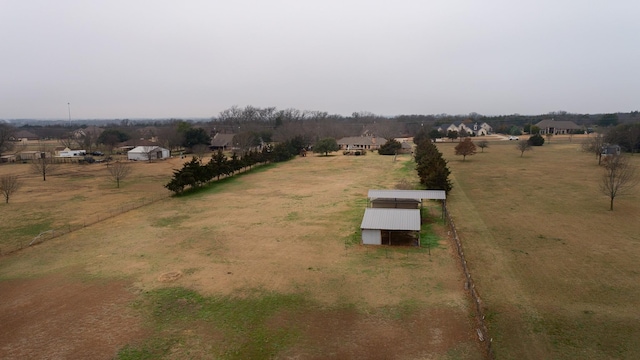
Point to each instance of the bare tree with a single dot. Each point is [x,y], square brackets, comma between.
[68,142]
[6,132]
[118,171]
[618,178]
[523,145]
[594,145]
[482,144]
[8,185]
[43,164]
[200,150]
[149,152]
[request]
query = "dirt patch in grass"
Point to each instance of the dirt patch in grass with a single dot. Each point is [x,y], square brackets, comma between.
[61,317]
[346,334]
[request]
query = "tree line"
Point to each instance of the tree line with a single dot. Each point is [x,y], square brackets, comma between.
[431,166]
[196,173]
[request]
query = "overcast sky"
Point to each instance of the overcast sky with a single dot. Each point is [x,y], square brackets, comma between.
[184,58]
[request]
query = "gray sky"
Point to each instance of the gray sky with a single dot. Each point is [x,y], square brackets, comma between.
[150,59]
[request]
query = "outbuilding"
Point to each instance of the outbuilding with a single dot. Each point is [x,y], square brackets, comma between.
[148,153]
[391,227]
[403,199]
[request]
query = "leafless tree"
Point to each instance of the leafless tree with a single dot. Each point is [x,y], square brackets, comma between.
[68,141]
[594,145]
[482,144]
[170,136]
[44,164]
[523,145]
[200,150]
[8,185]
[618,178]
[88,138]
[6,132]
[149,152]
[243,141]
[118,171]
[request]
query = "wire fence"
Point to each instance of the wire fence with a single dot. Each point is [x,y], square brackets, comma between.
[79,224]
[482,330]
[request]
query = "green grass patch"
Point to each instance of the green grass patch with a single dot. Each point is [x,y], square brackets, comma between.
[169,221]
[408,167]
[244,320]
[293,216]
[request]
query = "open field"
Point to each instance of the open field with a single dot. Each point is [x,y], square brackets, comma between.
[558,272]
[264,265]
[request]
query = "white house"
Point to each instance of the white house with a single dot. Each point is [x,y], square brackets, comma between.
[475,128]
[148,153]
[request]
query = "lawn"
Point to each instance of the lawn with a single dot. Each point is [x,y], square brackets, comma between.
[556,269]
[264,265]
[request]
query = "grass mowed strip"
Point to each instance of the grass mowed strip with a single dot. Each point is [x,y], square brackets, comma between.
[556,269]
[269,265]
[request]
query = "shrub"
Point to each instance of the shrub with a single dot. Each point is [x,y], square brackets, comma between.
[536,140]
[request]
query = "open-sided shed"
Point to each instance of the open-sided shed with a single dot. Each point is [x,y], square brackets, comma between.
[403,199]
[391,226]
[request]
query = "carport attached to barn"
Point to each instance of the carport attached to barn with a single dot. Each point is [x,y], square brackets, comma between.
[391,226]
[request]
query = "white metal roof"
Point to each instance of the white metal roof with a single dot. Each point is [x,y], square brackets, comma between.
[391,219]
[408,194]
[145,149]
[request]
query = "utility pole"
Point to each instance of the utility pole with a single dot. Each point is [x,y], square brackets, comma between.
[69,107]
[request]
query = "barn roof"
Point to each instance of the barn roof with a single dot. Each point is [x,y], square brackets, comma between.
[391,219]
[417,195]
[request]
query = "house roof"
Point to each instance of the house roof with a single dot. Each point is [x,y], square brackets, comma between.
[362,140]
[562,124]
[408,194]
[391,219]
[222,140]
[24,134]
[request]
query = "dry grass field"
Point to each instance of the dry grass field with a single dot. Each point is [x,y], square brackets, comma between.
[264,265]
[558,271]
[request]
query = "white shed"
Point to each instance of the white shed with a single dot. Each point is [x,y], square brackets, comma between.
[390,226]
[147,153]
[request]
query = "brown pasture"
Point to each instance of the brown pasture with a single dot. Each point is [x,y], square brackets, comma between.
[557,271]
[284,230]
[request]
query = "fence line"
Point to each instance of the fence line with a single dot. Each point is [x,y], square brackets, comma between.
[482,330]
[121,209]
[88,221]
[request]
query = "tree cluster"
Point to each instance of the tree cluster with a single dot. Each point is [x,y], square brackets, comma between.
[325,146]
[391,147]
[432,167]
[625,135]
[195,173]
